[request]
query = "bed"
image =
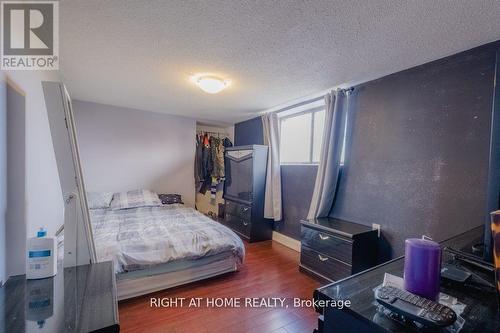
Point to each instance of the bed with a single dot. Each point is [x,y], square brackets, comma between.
[159,247]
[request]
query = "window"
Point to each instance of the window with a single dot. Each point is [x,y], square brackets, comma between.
[301,136]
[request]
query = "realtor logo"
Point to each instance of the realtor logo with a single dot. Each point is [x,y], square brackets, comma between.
[30,35]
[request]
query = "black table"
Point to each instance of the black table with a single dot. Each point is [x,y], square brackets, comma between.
[77,299]
[481,313]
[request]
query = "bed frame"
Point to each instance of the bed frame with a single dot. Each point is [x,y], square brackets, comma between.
[169,275]
[79,247]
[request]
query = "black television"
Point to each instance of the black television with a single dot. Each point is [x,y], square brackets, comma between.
[239,175]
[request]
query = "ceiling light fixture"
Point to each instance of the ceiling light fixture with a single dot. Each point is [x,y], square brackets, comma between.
[210,84]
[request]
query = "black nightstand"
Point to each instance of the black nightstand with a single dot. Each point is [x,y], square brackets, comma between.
[334,249]
[480,314]
[77,299]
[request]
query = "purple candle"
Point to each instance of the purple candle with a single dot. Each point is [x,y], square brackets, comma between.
[422,267]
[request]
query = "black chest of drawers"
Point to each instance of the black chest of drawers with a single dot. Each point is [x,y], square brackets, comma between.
[334,249]
[247,221]
[77,299]
[244,191]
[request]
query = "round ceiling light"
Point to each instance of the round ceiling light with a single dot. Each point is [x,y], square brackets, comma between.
[210,84]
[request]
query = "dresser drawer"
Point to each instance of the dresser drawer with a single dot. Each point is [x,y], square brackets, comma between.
[326,243]
[323,264]
[243,212]
[238,224]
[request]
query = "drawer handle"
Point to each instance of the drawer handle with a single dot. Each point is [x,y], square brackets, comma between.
[322,258]
[323,237]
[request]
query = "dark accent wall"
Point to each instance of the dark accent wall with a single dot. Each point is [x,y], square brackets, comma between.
[297,186]
[417,153]
[418,150]
[297,181]
[494,167]
[249,132]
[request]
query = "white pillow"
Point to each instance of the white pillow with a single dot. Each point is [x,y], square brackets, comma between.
[99,200]
[134,199]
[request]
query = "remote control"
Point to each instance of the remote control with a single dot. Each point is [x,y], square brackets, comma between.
[416,308]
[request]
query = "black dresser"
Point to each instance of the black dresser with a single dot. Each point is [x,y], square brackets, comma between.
[333,249]
[480,314]
[77,299]
[244,190]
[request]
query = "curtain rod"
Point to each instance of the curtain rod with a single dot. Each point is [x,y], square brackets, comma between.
[312,100]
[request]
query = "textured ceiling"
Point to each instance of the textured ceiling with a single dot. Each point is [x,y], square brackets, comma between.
[139,54]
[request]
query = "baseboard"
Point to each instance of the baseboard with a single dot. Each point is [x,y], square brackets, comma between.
[287,241]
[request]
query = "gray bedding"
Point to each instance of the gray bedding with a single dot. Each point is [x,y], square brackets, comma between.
[143,237]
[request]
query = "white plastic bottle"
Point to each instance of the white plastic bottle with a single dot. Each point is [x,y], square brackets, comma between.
[41,259]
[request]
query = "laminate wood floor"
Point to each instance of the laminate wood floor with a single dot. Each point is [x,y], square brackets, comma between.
[270,270]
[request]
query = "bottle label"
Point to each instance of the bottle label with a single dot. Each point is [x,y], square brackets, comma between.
[39,254]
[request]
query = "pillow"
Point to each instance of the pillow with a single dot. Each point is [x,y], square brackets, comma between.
[168,199]
[99,200]
[134,199]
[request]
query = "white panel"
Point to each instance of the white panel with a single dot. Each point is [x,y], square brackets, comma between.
[3,176]
[287,241]
[133,287]
[16,182]
[78,243]
[43,204]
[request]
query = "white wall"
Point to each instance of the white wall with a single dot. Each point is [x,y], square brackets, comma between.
[125,149]
[44,204]
[43,199]
[230,133]
[16,181]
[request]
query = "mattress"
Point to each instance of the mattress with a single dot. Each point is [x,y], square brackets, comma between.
[141,238]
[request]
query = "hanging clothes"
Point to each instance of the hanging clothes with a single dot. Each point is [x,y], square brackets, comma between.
[213,143]
[218,171]
[227,143]
[206,164]
[213,191]
[198,168]
[210,165]
[227,166]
